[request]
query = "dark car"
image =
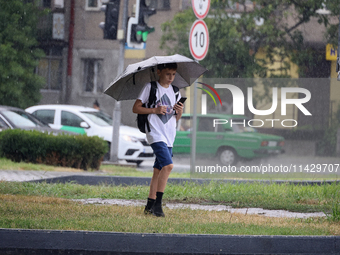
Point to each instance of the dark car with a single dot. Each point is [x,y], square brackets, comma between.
[12,117]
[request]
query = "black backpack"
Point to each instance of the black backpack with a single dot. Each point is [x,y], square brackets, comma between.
[142,119]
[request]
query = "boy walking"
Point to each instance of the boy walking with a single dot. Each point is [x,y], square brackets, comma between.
[162,121]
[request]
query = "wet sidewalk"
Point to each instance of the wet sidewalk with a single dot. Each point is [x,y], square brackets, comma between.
[245,211]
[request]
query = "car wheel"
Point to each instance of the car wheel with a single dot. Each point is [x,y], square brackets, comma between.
[228,156]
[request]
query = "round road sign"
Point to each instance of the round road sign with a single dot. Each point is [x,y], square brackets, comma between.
[199,40]
[201,8]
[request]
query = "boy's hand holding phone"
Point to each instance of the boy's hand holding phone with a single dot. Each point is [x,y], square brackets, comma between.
[179,106]
[182,100]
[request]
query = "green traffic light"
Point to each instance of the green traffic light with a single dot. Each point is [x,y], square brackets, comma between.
[142,34]
[145,36]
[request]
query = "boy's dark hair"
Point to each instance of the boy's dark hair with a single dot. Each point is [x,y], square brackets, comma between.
[171,66]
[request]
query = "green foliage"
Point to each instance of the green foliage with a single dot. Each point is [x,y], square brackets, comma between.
[228,54]
[235,38]
[176,33]
[334,215]
[19,55]
[59,150]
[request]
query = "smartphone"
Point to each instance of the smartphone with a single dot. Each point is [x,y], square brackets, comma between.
[182,100]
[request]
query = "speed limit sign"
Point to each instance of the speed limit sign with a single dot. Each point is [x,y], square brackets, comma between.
[199,40]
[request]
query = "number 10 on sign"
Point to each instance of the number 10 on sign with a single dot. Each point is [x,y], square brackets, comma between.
[199,40]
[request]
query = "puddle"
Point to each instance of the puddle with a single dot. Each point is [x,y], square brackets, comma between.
[257,211]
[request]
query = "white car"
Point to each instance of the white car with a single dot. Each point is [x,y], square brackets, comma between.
[132,146]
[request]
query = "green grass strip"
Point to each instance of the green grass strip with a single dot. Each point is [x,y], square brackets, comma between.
[297,198]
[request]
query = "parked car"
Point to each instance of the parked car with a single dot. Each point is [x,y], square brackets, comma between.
[12,118]
[230,143]
[132,146]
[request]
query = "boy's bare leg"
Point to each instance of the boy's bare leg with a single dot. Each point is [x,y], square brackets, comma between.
[154,183]
[163,177]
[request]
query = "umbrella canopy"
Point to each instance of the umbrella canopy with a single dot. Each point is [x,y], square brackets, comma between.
[128,85]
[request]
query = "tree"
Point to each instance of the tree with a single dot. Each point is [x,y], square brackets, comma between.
[239,30]
[19,53]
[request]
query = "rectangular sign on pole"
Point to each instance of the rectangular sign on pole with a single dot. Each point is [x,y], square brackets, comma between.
[331,52]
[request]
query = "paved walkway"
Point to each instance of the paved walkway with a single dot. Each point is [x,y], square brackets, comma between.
[27,175]
[256,211]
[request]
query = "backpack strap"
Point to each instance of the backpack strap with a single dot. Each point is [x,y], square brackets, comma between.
[176,91]
[152,100]
[152,95]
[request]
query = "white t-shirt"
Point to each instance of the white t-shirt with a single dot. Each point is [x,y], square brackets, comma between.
[163,127]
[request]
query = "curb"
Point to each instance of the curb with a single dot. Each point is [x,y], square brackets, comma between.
[19,241]
[122,180]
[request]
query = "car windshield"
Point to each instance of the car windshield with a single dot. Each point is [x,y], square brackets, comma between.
[99,118]
[21,119]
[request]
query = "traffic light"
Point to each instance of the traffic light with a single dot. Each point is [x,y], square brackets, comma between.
[138,28]
[110,26]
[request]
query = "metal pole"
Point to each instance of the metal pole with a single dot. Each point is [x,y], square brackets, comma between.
[68,91]
[116,115]
[194,128]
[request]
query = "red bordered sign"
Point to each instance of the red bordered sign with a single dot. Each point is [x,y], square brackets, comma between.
[201,8]
[199,40]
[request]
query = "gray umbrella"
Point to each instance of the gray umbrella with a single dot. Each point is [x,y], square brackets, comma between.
[128,85]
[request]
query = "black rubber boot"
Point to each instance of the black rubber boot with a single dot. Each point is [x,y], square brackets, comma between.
[157,210]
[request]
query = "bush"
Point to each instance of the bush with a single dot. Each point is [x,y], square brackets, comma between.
[79,151]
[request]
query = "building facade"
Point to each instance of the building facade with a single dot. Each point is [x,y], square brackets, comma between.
[79,64]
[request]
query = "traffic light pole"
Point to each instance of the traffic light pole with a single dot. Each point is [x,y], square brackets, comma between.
[116,116]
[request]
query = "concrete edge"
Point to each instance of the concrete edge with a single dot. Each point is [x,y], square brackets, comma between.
[123,180]
[24,241]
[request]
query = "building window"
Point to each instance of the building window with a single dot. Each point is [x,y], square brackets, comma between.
[92,5]
[160,4]
[45,3]
[51,68]
[164,4]
[93,75]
